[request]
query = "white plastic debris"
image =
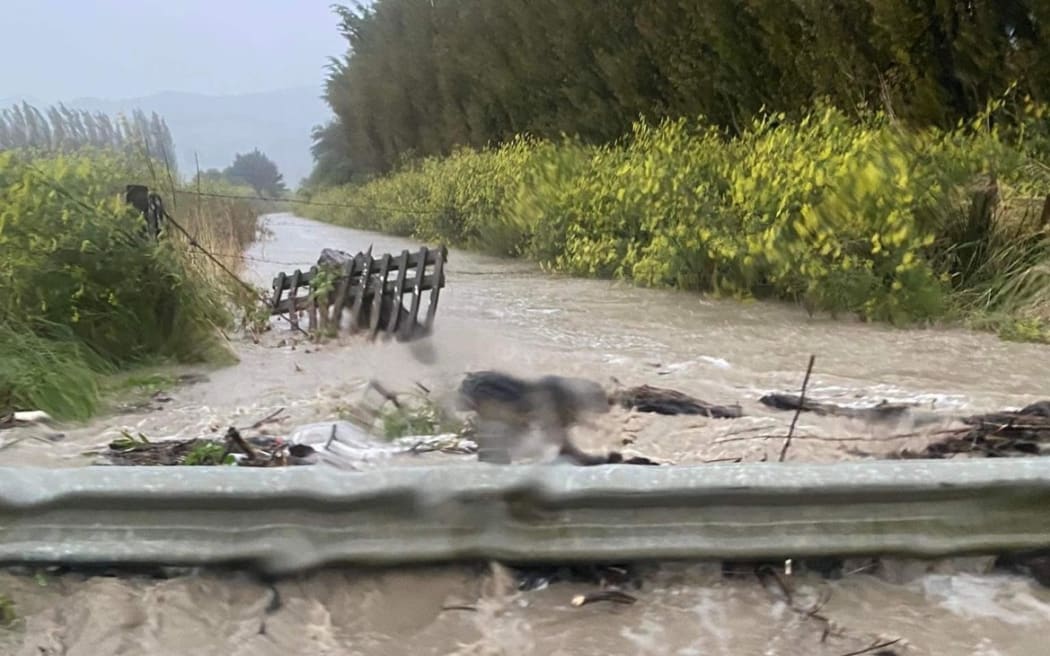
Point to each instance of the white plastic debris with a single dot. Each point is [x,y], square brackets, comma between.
[347,445]
[32,417]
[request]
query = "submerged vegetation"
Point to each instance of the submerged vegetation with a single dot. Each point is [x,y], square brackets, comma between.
[713,146]
[86,292]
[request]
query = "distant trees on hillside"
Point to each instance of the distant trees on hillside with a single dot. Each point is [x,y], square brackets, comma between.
[423,76]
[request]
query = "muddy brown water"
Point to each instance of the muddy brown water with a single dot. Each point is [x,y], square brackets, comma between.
[507,314]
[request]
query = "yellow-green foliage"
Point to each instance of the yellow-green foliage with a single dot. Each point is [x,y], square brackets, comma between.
[840,214]
[84,287]
[72,252]
[461,199]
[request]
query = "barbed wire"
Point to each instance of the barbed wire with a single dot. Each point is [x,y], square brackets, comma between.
[214,257]
[261,260]
[305,265]
[258,293]
[300,201]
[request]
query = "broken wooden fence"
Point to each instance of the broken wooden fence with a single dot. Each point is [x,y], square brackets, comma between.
[340,283]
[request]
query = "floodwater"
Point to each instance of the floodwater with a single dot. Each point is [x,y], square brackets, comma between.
[508,315]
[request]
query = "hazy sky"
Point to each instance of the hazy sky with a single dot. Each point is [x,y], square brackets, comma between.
[63,49]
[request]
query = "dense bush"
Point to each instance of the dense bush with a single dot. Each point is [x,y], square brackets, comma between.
[841,214]
[85,292]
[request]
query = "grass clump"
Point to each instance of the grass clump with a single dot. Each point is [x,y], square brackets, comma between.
[841,215]
[423,416]
[86,293]
[423,419]
[57,374]
[208,454]
[399,415]
[8,614]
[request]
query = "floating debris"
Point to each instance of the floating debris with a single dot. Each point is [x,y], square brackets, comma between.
[646,398]
[1024,432]
[25,418]
[140,450]
[882,412]
[603,595]
[537,577]
[340,444]
[616,458]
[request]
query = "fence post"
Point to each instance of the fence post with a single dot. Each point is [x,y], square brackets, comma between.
[149,204]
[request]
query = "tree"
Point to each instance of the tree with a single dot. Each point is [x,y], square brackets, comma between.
[422,77]
[258,172]
[332,156]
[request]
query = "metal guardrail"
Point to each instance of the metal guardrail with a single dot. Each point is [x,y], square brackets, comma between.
[287,520]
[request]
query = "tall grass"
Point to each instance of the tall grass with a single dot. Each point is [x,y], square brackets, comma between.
[86,292]
[223,224]
[55,373]
[841,215]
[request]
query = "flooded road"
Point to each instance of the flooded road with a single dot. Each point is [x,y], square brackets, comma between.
[508,315]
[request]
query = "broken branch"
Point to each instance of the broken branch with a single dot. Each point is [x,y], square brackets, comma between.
[268,419]
[875,647]
[234,435]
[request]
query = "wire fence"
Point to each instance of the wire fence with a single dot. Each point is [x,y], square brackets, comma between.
[302,201]
[157,207]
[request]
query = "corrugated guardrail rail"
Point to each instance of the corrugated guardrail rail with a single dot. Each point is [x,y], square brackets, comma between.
[292,519]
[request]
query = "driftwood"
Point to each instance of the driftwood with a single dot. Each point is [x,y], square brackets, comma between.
[646,398]
[614,596]
[616,458]
[1010,433]
[1025,432]
[881,412]
[583,459]
[1038,410]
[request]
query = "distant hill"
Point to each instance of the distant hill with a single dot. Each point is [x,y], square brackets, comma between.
[218,127]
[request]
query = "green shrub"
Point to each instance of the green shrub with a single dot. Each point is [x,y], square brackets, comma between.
[842,215]
[86,293]
[72,253]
